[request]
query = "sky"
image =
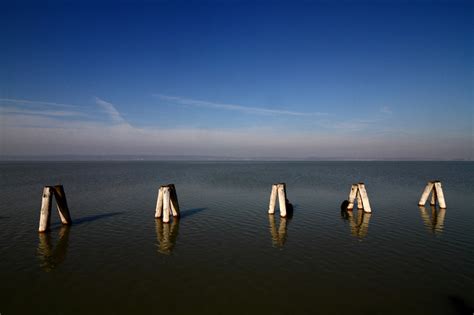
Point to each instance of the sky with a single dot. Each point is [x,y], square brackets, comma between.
[234,79]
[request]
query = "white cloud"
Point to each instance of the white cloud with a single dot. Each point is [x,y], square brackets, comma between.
[233,107]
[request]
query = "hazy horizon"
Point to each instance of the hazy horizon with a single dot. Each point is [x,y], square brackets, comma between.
[151,158]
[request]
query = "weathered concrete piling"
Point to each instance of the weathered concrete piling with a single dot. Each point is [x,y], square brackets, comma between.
[433,187]
[167,203]
[61,204]
[280,191]
[358,191]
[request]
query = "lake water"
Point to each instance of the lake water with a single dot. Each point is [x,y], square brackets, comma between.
[226,255]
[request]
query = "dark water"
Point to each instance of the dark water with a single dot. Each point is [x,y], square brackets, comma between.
[226,255]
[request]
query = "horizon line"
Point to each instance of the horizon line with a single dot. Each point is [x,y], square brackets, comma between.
[210,158]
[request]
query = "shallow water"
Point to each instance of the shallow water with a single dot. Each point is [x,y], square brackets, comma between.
[226,254]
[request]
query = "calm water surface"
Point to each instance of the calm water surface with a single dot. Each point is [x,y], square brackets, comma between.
[226,255]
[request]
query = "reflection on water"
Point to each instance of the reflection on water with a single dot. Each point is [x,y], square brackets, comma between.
[359,226]
[278,236]
[51,257]
[167,234]
[435,222]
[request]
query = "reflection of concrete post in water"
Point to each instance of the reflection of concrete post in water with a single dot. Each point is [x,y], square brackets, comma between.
[435,222]
[167,235]
[278,236]
[425,217]
[51,257]
[352,222]
[439,225]
[363,224]
[359,227]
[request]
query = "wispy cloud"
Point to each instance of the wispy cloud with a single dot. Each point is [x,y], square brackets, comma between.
[10,106]
[351,125]
[234,107]
[38,103]
[386,110]
[101,111]
[110,110]
[57,113]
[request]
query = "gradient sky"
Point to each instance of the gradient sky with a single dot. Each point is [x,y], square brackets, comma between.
[355,80]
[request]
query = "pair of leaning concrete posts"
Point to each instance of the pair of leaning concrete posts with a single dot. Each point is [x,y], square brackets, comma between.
[280,191]
[167,203]
[434,187]
[358,191]
[61,203]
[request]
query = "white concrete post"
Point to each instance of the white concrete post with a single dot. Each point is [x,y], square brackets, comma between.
[174,201]
[365,198]
[352,196]
[433,197]
[359,201]
[440,195]
[166,204]
[61,204]
[45,214]
[159,203]
[282,199]
[273,197]
[426,193]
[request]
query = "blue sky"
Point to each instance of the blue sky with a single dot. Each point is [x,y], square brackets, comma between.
[349,79]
